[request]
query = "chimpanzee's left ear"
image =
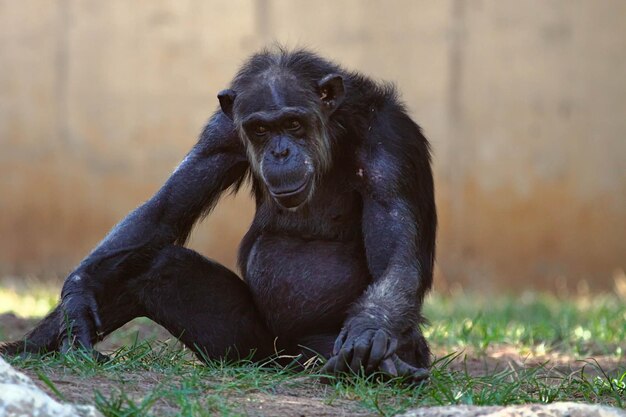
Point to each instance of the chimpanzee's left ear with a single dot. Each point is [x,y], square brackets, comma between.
[227,98]
[331,91]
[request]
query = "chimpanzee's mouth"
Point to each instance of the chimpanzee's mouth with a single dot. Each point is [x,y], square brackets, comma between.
[288,193]
[295,197]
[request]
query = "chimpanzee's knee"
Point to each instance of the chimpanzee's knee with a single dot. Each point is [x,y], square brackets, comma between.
[204,304]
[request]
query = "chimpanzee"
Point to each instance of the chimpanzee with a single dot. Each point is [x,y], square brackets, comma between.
[338,257]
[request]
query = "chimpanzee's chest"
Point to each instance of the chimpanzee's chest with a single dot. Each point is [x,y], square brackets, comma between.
[306,268]
[303,286]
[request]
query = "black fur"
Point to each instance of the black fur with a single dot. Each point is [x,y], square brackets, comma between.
[339,255]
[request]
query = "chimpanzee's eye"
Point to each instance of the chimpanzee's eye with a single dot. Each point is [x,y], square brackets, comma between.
[293,124]
[260,130]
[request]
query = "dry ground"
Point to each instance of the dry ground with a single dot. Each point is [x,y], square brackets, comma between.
[299,396]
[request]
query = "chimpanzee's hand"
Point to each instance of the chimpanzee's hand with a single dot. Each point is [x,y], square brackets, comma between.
[80,322]
[360,346]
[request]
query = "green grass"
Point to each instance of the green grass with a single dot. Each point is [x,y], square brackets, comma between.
[537,323]
[27,297]
[187,388]
[154,377]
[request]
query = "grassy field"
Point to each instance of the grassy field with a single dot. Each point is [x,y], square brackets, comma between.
[489,351]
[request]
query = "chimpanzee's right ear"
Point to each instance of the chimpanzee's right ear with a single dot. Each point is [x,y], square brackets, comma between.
[227,98]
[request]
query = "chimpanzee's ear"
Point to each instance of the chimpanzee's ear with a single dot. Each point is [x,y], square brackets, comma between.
[331,91]
[227,98]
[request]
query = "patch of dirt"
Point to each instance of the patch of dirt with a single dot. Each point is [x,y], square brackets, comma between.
[298,405]
[13,327]
[81,389]
[306,399]
[501,357]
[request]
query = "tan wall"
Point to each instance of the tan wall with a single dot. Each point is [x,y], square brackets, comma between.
[524,102]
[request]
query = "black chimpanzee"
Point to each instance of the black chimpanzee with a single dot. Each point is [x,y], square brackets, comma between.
[338,257]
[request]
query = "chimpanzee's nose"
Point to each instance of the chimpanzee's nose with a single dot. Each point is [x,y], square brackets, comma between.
[280,153]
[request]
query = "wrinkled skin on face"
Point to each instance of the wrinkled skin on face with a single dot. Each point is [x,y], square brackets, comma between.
[282,125]
[278,144]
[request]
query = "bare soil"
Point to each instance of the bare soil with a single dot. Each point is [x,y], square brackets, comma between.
[307,399]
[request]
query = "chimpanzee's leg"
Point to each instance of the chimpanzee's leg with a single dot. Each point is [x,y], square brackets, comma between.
[205,305]
[199,301]
[208,307]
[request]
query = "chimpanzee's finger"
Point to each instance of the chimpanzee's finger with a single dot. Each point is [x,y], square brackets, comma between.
[101,357]
[66,345]
[391,347]
[75,337]
[329,367]
[361,351]
[343,358]
[93,310]
[76,328]
[388,367]
[339,341]
[84,335]
[378,350]
[410,371]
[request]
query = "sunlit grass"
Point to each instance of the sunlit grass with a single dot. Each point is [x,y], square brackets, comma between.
[533,322]
[27,298]
[463,326]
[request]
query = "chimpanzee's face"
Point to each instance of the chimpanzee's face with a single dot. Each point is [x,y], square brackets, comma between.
[283,126]
[280,147]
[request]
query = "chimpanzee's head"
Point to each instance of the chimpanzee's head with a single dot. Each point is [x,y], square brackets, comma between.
[283,123]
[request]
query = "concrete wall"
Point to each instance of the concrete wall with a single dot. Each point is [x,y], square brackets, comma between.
[524,103]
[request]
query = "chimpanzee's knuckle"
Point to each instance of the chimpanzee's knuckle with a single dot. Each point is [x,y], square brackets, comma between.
[362,344]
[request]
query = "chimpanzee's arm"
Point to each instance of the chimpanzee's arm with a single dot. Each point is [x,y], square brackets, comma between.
[215,163]
[399,225]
